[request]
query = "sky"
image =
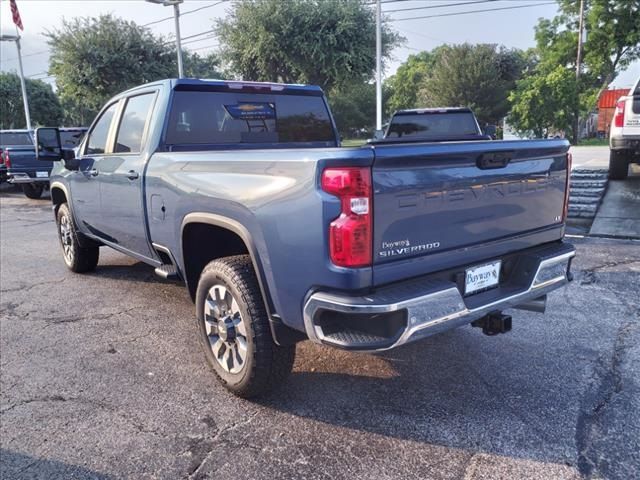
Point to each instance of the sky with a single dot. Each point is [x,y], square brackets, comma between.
[512,27]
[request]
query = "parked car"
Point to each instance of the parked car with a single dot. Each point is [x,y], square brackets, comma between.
[435,125]
[242,191]
[22,167]
[624,137]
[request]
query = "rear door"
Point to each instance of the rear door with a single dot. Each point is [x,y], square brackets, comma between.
[430,199]
[122,216]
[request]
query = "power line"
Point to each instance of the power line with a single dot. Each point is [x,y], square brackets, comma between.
[183,13]
[42,52]
[438,6]
[27,55]
[472,11]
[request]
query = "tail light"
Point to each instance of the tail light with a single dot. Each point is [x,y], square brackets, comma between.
[350,235]
[566,187]
[7,160]
[618,118]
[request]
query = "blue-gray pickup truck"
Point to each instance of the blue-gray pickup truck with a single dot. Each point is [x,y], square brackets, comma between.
[242,191]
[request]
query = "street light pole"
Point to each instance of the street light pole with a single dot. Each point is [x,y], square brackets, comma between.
[176,16]
[25,100]
[378,67]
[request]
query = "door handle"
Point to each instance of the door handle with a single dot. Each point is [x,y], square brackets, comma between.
[132,175]
[93,172]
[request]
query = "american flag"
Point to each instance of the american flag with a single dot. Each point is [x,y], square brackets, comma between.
[16,14]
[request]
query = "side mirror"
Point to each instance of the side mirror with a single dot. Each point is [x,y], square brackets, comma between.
[48,145]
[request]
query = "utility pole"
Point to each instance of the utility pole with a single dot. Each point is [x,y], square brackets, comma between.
[576,122]
[176,17]
[378,67]
[25,100]
[580,31]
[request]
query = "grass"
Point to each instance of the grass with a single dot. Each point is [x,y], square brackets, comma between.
[353,142]
[593,142]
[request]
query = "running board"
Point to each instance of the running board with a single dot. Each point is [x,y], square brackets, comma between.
[168,272]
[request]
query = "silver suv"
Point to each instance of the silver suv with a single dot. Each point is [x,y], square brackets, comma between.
[624,139]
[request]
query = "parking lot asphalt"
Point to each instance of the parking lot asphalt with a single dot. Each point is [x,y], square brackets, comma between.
[101,376]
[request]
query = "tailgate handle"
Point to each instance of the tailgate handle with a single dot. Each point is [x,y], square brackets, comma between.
[494,160]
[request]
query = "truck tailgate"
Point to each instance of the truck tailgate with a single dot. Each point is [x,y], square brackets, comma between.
[454,197]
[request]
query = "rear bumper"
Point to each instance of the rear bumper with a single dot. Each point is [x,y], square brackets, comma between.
[422,307]
[19,178]
[626,142]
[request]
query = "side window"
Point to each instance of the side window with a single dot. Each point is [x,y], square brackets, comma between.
[134,119]
[98,136]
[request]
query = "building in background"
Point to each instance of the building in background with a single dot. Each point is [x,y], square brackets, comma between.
[606,107]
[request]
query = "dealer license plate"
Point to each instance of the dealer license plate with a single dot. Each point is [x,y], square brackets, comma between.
[42,174]
[481,277]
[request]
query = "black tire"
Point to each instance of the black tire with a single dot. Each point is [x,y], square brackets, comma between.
[266,364]
[618,165]
[32,190]
[79,258]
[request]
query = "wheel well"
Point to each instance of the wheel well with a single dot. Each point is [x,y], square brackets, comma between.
[58,197]
[204,243]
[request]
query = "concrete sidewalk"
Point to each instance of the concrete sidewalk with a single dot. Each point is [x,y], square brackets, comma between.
[619,214]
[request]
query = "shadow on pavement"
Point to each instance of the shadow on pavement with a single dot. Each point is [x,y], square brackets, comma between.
[448,390]
[18,465]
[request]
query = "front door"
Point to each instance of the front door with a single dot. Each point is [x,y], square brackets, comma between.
[85,185]
[121,179]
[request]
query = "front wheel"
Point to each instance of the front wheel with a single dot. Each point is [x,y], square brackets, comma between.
[233,327]
[618,165]
[78,258]
[32,190]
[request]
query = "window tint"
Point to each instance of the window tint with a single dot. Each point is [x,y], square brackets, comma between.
[71,138]
[98,136]
[199,117]
[15,138]
[134,119]
[433,125]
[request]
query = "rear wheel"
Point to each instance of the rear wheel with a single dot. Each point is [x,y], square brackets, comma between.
[78,258]
[618,165]
[32,190]
[234,329]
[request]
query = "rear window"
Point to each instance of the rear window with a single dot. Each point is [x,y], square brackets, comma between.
[71,138]
[199,117]
[16,138]
[433,125]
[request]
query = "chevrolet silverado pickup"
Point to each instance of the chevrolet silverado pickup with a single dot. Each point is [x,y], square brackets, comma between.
[19,158]
[624,136]
[242,191]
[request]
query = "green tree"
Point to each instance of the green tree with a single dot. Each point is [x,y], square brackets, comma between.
[199,66]
[612,44]
[476,76]
[321,42]
[94,58]
[44,106]
[408,79]
[544,102]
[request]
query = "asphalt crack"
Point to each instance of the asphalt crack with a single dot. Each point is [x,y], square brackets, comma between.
[211,442]
[607,383]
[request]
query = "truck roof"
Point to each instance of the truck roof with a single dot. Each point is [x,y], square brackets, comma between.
[413,111]
[214,84]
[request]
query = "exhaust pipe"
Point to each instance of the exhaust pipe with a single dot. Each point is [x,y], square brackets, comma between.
[537,305]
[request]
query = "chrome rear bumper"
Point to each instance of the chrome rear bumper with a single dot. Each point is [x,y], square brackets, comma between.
[19,178]
[434,306]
